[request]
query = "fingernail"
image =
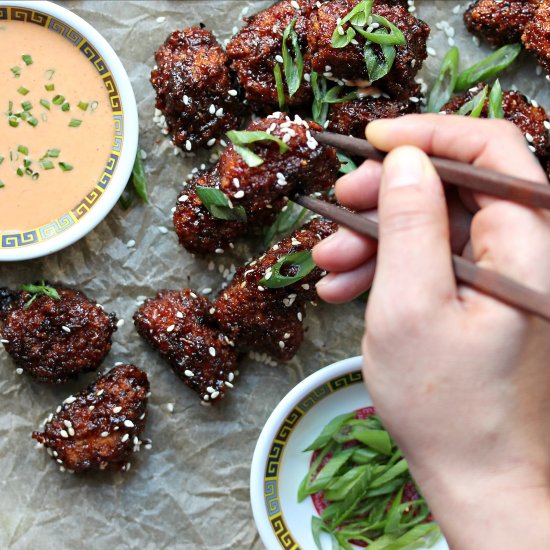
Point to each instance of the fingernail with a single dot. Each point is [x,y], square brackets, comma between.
[406,166]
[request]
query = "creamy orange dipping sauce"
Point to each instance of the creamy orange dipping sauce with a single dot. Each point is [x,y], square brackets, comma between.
[43,194]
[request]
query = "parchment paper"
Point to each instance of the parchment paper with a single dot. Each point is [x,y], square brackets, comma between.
[191,490]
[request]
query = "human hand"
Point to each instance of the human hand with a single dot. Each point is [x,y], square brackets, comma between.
[459,379]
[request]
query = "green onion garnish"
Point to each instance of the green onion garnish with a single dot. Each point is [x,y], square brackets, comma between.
[33,121]
[23,150]
[27,59]
[52,153]
[47,164]
[22,90]
[49,87]
[293,67]
[35,176]
[1,160]
[218,204]
[488,67]
[445,82]
[26,162]
[241,139]
[20,172]
[16,71]
[474,106]
[45,104]
[2,184]
[39,289]
[65,167]
[495,101]
[58,100]
[289,218]
[13,121]
[299,264]
[75,123]
[65,107]
[93,105]
[82,105]
[139,179]
[27,105]
[279,84]
[346,164]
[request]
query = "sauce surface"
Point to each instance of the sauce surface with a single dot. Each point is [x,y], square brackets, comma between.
[32,59]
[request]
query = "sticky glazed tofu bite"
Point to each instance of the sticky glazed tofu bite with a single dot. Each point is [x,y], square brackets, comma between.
[99,428]
[56,339]
[195,89]
[257,48]
[306,167]
[526,114]
[499,21]
[351,117]
[536,35]
[180,326]
[347,64]
[265,319]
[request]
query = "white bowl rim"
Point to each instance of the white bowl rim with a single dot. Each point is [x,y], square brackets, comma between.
[272,426]
[131,130]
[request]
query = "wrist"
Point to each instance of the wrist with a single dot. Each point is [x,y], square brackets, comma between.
[499,514]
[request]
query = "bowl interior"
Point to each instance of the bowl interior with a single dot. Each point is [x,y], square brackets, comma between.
[112,178]
[279,463]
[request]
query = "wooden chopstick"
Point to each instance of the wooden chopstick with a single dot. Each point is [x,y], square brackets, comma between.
[489,282]
[458,173]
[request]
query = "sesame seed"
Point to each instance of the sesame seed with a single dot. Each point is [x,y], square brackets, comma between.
[131,243]
[161,19]
[239,194]
[210,389]
[91,407]
[279,59]
[286,335]
[219,251]
[4,341]
[414,99]
[281,344]
[212,351]
[125,438]
[532,149]
[189,374]
[300,316]
[69,400]
[120,322]
[104,434]
[232,93]
[19,370]
[215,395]
[185,100]
[116,410]
[192,294]
[64,434]
[129,423]
[231,377]
[66,329]
[162,229]
[170,328]
[100,393]
[211,142]
[305,287]
[219,112]
[529,137]
[546,124]
[212,310]
[170,407]
[206,397]
[188,145]
[212,109]
[431,51]
[295,4]
[67,423]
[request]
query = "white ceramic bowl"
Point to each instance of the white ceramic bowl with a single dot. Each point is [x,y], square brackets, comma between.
[113,178]
[279,465]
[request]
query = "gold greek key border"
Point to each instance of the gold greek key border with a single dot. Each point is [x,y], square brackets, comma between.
[275,455]
[52,229]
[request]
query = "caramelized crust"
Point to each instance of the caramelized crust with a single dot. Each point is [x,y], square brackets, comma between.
[195,90]
[536,36]
[178,324]
[99,428]
[56,340]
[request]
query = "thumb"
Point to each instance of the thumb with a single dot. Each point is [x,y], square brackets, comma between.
[414,256]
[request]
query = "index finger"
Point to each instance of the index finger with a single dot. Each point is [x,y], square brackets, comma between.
[493,144]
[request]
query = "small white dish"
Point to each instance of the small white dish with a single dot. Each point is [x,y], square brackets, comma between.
[279,463]
[112,179]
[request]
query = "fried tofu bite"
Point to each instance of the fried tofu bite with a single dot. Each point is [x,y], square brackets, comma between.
[262,191]
[257,48]
[99,428]
[536,35]
[499,21]
[527,115]
[347,64]
[55,340]
[351,117]
[180,326]
[194,88]
[270,320]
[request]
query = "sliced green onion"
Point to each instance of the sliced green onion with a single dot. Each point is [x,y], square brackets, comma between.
[376,69]
[346,164]
[94,105]
[218,204]
[52,153]
[277,73]
[474,106]
[20,172]
[16,71]
[49,87]
[75,122]
[33,121]
[45,104]
[300,263]
[65,166]
[65,107]
[26,162]
[83,105]
[332,95]
[58,100]
[27,59]
[288,219]
[394,36]
[319,107]
[47,164]
[35,176]
[27,105]
[488,67]
[241,139]
[293,67]
[445,82]
[2,184]
[22,90]
[40,289]
[13,121]
[359,15]
[495,101]
[1,159]
[139,179]
[341,38]
[23,150]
